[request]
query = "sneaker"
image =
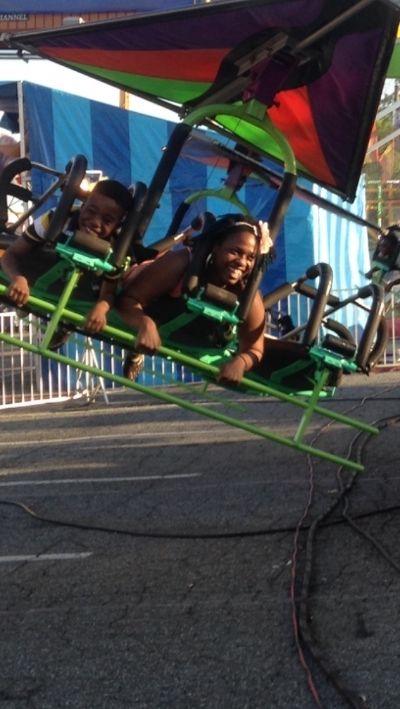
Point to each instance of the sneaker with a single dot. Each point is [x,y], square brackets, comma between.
[59,338]
[133,365]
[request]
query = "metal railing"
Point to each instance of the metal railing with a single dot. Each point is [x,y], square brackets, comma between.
[298,308]
[28,379]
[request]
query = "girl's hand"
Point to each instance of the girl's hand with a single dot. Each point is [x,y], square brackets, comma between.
[233,371]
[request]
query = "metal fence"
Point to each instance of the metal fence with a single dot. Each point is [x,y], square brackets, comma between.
[28,379]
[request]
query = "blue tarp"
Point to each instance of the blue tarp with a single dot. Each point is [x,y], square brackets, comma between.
[127,146]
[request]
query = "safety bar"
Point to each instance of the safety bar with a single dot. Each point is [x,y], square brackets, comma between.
[320,296]
[324,272]
[183,236]
[367,352]
[161,176]
[8,188]
[74,176]
[278,212]
[339,329]
[128,233]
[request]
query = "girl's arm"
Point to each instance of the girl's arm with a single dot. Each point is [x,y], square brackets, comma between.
[150,282]
[251,345]
[144,283]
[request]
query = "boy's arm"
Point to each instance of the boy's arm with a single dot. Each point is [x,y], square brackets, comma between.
[97,316]
[18,290]
[15,256]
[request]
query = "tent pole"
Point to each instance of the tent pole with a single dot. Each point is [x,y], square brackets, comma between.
[21,118]
[22,135]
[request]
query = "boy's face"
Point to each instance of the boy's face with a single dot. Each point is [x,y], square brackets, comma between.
[100,215]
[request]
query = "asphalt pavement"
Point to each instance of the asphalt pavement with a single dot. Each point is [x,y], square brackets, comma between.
[151,558]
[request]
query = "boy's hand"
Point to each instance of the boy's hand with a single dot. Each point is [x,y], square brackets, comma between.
[96,318]
[18,291]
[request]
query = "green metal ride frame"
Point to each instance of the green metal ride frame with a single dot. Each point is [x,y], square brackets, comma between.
[204,362]
[57,312]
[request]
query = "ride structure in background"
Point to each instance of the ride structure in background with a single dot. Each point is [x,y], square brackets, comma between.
[272,78]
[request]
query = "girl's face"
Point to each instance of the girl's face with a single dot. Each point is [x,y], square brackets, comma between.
[233,259]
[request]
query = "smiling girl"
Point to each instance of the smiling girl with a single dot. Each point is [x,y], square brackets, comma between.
[152,288]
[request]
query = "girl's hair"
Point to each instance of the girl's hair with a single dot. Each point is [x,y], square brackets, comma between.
[389,236]
[224,226]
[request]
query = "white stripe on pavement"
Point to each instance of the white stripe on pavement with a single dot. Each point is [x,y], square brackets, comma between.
[72,481]
[45,557]
[101,437]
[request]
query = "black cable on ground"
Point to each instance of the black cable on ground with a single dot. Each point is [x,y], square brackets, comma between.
[354,700]
[300,611]
[306,634]
[181,536]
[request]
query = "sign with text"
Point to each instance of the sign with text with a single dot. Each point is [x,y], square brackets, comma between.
[14,16]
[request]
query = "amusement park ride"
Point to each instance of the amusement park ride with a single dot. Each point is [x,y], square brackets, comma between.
[292,84]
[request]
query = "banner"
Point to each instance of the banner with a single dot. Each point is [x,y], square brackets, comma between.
[68,7]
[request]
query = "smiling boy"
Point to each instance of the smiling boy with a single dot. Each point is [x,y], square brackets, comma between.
[100,215]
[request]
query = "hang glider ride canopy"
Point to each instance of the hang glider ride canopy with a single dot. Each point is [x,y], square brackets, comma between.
[316,67]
